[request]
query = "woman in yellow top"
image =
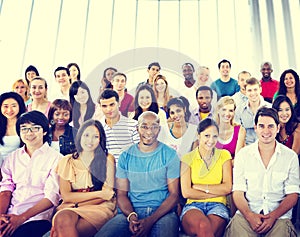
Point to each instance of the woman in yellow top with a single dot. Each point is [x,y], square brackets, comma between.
[86,185]
[206,179]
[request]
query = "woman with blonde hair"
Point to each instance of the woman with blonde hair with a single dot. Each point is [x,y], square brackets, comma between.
[21,87]
[232,136]
[38,91]
[161,91]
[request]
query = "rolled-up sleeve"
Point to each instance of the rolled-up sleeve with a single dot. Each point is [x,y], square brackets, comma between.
[239,180]
[51,190]
[7,183]
[292,183]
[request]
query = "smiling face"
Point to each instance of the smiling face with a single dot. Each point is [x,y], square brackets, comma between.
[253,92]
[73,73]
[284,112]
[148,130]
[144,99]
[187,72]
[82,96]
[33,139]
[225,69]
[242,78]
[208,138]
[61,117]
[10,108]
[90,139]
[160,86]
[289,80]
[109,74]
[226,113]
[266,129]
[177,114]
[62,78]
[204,101]
[203,76]
[266,71]
[38,89]
[30,75]
[153,71]
[20,88]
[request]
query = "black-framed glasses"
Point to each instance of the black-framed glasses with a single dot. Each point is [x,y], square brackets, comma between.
[152,128]
[35,128]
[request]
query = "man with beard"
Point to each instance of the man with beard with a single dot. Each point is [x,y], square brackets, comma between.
[268,84]
[204,97]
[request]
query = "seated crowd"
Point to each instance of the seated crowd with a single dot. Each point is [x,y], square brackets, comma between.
[219,158]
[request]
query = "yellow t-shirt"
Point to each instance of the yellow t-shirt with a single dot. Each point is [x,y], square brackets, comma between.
[201,175]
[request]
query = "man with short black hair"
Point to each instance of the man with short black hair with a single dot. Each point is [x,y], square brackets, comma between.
[269,85]
[225,85]
[204,96]
[120,131]
[265,183]
[62,78]
[29,190]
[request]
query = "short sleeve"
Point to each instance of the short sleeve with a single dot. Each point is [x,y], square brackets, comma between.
[65,168]
[121,167]
[173,167]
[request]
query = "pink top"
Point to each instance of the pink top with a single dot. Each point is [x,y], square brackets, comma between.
[230,144]
[29,108]
[31,179]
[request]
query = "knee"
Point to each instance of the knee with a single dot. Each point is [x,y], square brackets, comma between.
[200,226]
[63,220]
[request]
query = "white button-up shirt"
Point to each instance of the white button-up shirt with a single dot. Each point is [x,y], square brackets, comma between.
[265,187]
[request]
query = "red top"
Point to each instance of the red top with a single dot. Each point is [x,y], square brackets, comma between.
[269,88]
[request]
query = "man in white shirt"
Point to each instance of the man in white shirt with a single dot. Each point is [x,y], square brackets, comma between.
[240,96]
[265,183]
[121,132]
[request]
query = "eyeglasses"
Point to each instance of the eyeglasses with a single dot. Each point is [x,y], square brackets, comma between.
[25,130]
[153,127]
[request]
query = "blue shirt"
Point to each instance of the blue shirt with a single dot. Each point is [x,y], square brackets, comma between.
[148,174]
[225,88]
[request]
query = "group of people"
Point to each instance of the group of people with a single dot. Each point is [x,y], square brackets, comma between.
[220,158]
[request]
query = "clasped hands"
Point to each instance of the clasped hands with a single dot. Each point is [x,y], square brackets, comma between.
[9,223]
[140,228]
[261,223]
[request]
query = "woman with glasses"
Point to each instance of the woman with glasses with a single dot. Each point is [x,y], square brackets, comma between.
[29,189]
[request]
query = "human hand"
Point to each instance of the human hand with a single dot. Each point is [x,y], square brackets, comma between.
[13,222]
[134,224]
[143,227]
[255,220]
[107,194]
[268,222]
[3,223]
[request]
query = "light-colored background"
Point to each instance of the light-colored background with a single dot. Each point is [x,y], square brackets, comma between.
[52,33]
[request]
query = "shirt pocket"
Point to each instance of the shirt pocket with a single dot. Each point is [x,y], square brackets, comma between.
[278,179]
[38,178]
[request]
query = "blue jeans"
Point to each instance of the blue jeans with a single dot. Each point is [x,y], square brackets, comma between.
[119,226]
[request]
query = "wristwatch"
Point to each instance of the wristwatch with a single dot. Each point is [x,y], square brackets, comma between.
[207,190]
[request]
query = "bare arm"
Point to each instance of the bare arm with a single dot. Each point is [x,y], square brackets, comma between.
[223,188]
[198,191]
[241,139]
[82,197]
[5,198]
[296,142]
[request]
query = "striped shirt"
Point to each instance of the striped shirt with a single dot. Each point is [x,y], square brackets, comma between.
[122,135]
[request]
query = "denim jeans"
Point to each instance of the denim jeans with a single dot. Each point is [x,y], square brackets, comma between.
[119,226]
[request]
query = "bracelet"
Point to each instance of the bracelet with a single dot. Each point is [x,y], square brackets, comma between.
[207,190]
[130,214]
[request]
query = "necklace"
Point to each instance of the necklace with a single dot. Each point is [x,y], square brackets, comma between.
[208,159]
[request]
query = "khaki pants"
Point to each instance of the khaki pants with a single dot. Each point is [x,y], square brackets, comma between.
[239,226]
